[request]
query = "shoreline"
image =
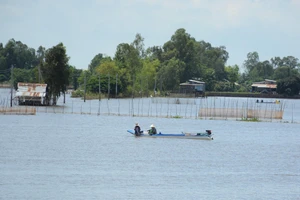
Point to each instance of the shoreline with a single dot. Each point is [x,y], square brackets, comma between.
[4,85]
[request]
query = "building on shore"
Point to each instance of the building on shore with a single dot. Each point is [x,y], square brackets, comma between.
[267,86]
[193,87]
[32,94]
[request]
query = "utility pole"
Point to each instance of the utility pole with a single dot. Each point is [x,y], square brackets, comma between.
[12,84]
[65,94]
[84,86]
[99,89]
[116,85]
[141,87]
[108,88]
[155,87]
[39,73]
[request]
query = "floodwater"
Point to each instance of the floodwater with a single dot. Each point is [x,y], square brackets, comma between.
[89,156]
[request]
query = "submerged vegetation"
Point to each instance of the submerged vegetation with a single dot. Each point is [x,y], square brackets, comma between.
[254,119]
[177,117]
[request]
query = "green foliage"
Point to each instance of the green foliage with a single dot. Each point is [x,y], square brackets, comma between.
[223,87]
[290,62]
[241,88]
[128,60]
[154,53]
[23,75]
[170,73]
[284,71]
[107,67]
[93,84]
[145,79]
[16,54]
[209,79]
[96,61]
[254,119]
[177,117]
[289,86]
[251,62]
[77,93]
[138,44]
[2,78]
[232,74]
[140,71]
[56,71]
[73,78]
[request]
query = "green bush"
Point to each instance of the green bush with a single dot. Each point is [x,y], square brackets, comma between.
[77,93]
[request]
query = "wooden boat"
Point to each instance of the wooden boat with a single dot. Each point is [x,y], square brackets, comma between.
[184,135]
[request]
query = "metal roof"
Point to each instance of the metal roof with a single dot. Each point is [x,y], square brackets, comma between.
[31,89]
[193,82]
[266,81]
[197,82]
[259,85]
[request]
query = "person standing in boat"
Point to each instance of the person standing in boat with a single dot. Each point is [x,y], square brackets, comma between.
[152,130]
[137,129]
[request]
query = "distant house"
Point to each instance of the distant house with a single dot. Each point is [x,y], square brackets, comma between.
[193,86]
[32,94]
[266,86]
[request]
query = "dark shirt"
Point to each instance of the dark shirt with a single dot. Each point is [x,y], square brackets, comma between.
[137,130]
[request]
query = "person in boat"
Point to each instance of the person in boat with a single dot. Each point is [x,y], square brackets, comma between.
[208,132]
[152,130]
[137,129]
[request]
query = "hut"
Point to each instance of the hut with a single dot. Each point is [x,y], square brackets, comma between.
[32,94]
[193,87]
[266,86]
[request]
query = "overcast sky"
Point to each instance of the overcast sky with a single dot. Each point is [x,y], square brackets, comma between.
[86,28]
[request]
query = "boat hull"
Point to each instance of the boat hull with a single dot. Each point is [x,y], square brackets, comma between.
[199,136]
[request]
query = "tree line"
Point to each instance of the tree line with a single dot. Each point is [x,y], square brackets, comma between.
[135,69]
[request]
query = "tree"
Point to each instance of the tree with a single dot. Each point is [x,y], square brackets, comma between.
[74,75]
[209,79]
[40,54]
[107,70]
[95,62]
[56,71]
[154,52]
[182,48]
[138,44]
[170,73]
[276,62]
[251,62]
[146,77]
[23,75]
[265,69]
[289,86]
[290,62]
[283,72]
[217,57]
[232,74]
[129,63]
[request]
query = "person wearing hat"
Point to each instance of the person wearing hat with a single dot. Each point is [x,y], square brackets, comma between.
[137,129]
[152,130]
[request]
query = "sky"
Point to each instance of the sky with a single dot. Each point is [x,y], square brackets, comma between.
[87,28]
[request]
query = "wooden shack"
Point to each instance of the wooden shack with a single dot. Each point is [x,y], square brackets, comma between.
[32,94]
[193,87]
